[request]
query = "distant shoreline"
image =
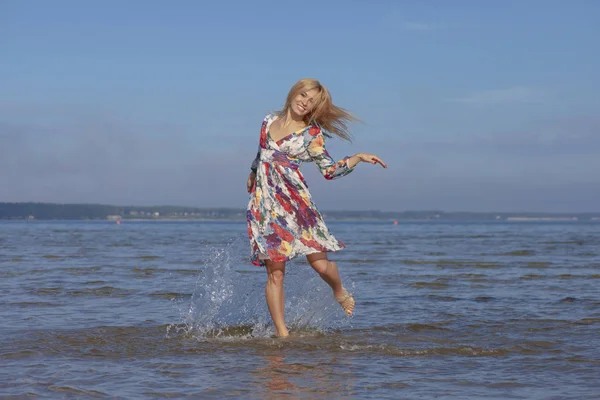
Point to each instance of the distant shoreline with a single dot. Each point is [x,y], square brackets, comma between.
[158,220]
[99,212]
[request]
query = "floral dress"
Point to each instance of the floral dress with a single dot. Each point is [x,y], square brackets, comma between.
[283,221]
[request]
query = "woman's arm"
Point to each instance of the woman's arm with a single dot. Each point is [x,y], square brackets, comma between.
[253,169]
[364,157]
[254,165]
[256,161]
[328,167]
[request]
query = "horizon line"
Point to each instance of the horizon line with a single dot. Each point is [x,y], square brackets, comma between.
[323,210]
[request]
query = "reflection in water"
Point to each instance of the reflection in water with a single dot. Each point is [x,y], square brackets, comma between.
[274,375]
[280,376]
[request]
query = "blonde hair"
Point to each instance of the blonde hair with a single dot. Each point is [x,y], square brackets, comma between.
[331,118]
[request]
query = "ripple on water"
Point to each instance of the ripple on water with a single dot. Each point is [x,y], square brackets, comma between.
[171,295]
[164,340]
[430,285]
[538,264]
[47,291]
[441,298]
[94,282]
[567,242]
[182,271]
[425,327]
[104,291]
[144,272]
[80,270]
[29,304]
[587,321]
[68,390]
[486,265]
[531,277]
[520,253]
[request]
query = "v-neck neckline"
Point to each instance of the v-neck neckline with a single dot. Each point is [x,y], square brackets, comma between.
[286,136]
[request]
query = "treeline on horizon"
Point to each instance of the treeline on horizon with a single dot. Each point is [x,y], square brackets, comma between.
[48,211]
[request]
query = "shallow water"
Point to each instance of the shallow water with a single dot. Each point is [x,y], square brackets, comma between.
[174,309]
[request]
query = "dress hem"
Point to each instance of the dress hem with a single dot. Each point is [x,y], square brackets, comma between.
[260,262]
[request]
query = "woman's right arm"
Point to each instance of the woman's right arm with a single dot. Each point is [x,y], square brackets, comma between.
[254,165]
[253,168]
[261,145]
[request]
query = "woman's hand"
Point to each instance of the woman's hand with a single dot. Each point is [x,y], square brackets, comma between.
[251,179]
[365,157]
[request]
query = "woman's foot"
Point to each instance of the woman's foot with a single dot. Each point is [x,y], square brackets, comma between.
[282,335]
[346,300]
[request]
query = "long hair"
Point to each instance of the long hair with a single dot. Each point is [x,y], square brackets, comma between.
[331,118]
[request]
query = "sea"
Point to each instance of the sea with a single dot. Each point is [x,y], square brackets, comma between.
[174,309]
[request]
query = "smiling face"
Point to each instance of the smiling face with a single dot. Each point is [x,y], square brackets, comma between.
[304,102]
[310,102]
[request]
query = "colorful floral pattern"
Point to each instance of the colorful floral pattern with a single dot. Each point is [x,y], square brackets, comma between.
[283,221]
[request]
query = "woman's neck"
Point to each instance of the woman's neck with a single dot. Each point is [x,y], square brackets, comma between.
[291,118]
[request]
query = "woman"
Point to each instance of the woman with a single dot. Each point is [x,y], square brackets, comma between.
[283,222]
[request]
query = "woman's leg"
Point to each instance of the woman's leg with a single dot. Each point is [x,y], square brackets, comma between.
[329,273]
[274,294]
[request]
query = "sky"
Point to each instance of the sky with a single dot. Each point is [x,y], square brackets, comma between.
[474,106]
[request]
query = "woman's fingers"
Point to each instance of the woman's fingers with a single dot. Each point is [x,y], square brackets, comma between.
[374,160]
[380,161]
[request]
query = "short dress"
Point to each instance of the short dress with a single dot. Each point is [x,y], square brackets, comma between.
[283,221]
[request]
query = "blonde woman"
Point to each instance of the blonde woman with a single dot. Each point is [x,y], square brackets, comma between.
[283,221]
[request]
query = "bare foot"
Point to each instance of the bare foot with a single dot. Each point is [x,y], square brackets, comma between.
[282,334]
[346,301]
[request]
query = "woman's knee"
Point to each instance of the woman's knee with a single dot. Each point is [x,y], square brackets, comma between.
[319,262]
[276,273]
[276,277]
[321,266]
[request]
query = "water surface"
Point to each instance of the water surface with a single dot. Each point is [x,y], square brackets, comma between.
[174,309]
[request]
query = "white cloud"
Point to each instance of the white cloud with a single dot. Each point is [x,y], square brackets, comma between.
[511,95]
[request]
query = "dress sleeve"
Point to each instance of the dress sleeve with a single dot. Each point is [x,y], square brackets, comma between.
[261,144]
[328,167]
[254,165]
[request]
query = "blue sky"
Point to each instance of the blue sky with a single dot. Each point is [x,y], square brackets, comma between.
[480,106]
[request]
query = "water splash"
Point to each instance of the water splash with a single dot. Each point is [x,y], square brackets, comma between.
[228,300]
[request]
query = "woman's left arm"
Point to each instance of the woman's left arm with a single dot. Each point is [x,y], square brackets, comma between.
[328,167]
[365,157]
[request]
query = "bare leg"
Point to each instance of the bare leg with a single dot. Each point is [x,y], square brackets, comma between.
[328,271]
[274,295]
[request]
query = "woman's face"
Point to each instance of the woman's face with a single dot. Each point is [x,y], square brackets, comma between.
[304,101]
